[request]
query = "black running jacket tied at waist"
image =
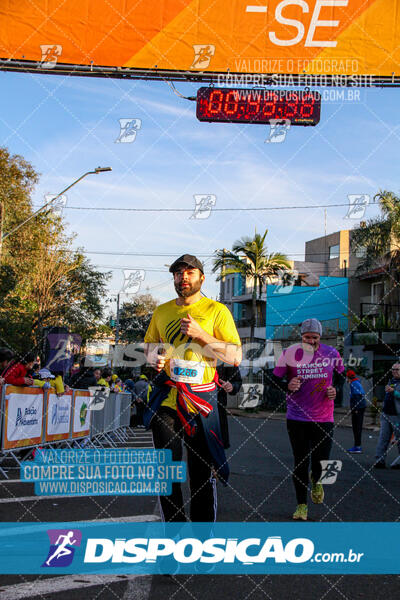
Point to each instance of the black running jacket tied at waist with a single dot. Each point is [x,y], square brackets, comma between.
[200,398]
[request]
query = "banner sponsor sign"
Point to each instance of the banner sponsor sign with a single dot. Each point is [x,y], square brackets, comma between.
[81,414]
[58,417]
[353,37]
[23,417]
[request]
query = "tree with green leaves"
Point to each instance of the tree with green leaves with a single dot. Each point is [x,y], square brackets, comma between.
[379,241]
[44,281]
[135,317]
[250,259]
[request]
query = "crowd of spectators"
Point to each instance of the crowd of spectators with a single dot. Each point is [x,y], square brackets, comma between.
[27,371]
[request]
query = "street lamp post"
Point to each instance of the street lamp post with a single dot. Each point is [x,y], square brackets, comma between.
[117,322]
[6,235]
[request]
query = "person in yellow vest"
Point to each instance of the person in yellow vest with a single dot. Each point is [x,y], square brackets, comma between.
[106,378]
[48,380]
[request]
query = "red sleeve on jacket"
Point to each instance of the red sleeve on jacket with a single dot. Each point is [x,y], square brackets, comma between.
[16,375]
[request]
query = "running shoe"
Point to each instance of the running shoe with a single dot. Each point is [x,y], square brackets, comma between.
[301,512]
[355,450]
[380,464]
[317,492]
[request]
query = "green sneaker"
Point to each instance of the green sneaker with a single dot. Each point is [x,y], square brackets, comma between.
[301,512]
[317,492]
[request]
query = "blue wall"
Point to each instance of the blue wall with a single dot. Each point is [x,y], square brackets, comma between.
[327,301]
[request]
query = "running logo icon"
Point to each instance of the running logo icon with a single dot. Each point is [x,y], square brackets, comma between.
[203,53]
[58,205]
[286,281]
[132,280]
[128,130]
[98,397]
[330,471]
[252,395]
[204,204]
[62,547]
[50,54]
[278,130]
[357,205]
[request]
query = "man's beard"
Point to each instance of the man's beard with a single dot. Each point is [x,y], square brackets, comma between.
[190,290]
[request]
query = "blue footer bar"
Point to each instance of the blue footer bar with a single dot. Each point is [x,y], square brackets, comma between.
[195,548]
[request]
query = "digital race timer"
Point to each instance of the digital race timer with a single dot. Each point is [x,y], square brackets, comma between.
[237,105]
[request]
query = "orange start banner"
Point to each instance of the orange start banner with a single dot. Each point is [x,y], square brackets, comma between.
[332,37]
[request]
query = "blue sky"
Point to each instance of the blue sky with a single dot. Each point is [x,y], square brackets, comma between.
[68,125]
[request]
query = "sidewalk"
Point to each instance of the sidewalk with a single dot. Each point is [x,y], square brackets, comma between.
[342,417]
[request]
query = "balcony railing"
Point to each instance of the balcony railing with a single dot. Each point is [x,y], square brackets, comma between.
[375,309]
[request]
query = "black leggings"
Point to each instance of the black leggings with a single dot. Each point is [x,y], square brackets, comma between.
[167,433]
[308,439]
[357,418]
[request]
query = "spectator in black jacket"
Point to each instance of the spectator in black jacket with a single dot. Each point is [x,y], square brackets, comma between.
[84,378]
[231,381]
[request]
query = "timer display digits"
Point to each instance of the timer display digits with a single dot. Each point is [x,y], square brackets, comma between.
[238,105]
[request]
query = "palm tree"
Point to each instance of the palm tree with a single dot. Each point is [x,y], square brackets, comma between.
[249,257]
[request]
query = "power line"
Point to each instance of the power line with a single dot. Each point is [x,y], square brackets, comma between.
[150,269]
[191,210]
[138,253]
[173,254]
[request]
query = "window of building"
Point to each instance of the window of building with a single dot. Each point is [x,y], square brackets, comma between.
[361,252]
[334,251]
[377,292]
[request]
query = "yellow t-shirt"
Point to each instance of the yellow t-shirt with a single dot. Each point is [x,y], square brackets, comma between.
[212,316]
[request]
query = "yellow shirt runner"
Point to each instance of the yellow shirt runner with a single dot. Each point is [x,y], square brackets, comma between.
[212,316]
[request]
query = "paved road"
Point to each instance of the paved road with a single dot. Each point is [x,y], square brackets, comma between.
[260,490]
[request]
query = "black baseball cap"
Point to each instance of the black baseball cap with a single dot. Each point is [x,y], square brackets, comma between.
[187,259]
